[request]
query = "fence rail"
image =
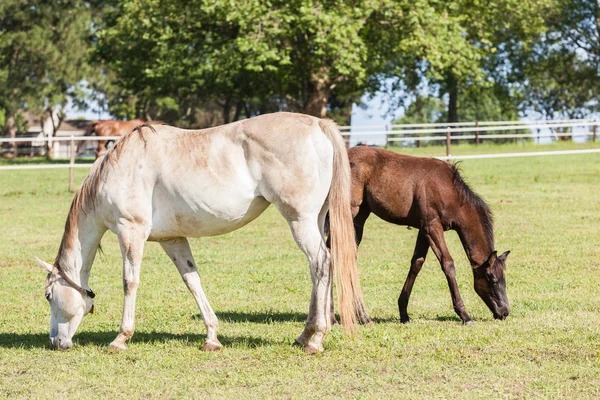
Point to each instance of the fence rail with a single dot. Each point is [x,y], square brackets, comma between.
[392,133]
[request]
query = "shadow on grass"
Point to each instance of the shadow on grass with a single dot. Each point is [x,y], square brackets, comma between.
[439,318]
[41,340]
[257,317]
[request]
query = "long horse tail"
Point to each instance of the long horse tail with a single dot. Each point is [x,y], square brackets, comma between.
[343,243]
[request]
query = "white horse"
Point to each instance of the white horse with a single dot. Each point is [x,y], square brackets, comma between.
[164,184]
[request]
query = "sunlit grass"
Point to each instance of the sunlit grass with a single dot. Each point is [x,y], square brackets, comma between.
[546,211]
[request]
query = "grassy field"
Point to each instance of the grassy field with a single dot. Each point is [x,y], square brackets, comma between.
[547,213]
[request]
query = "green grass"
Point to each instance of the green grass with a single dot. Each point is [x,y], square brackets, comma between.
[547,213]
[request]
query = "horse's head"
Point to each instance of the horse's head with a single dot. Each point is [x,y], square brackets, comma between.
[490,284]
[69,303]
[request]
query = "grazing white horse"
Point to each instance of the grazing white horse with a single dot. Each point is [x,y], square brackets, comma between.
[164,184]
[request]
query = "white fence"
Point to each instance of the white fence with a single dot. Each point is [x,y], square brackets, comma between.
[390,134]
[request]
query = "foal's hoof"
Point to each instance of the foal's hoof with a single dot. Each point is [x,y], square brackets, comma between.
[468,323]
[404,320]
[211,346]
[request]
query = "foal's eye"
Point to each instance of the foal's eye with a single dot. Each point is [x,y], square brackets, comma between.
[47,295]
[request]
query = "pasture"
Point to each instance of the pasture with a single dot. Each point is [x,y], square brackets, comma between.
[547,212]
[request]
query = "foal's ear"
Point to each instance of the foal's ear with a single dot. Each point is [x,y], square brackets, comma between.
[504,255]
[44,265]
[492,258]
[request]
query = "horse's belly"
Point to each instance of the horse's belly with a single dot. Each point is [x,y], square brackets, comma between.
[203,213]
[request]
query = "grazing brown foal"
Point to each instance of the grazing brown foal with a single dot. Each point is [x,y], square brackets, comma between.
[430,195]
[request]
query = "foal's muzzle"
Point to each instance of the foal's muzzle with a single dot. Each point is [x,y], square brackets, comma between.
[501,315]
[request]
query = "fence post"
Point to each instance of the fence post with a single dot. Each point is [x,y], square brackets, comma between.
[387,135]
[594,128]
[448,142]
[477,133]
[71,170]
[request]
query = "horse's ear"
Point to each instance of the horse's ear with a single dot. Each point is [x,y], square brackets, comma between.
[504,255]
[44,265]
[492,258]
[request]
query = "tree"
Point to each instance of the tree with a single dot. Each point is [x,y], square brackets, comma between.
[562,68]
[43,55]
[486,42]
[259,56]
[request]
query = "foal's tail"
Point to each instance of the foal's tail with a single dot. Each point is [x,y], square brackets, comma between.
[343,244]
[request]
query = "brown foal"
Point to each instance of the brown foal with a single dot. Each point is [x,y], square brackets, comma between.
[430,195]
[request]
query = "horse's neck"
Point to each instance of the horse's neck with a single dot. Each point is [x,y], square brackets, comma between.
[79,245]
[476,240]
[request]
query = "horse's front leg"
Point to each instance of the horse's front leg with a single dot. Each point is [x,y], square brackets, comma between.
[418,259]
[101,149]
[179,251]
[131,240]
[435,236]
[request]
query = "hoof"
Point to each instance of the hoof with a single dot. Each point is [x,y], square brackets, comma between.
[468,323]
[211,346]
[312,350]
[298,343]
[404,320]
[117,347]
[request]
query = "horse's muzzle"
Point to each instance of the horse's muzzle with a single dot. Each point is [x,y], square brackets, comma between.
[501,315]
[57,343]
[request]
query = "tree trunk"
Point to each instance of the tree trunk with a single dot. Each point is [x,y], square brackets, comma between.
[317,94]
[227,110]
[452,97]
[238,110]
[10,129]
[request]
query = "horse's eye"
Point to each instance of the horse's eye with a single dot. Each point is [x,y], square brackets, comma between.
[47,295]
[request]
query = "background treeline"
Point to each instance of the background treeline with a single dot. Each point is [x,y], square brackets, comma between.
[200,63]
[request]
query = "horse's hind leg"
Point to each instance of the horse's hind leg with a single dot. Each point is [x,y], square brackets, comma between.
[421,248]
[307,233]
[132,237]
[179,251]
[435,236]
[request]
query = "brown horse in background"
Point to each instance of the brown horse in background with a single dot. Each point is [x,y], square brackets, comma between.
[430,195]
[108,128]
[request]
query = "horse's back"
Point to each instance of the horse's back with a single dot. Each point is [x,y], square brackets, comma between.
[398,188]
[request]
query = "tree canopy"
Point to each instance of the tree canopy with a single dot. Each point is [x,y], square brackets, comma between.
[199,63]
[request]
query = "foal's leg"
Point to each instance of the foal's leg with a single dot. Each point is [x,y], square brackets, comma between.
[416,263]
[307,234]
[179,251]
[132,237]
[435,236]
[360,215]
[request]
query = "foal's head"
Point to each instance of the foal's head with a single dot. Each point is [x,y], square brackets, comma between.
[490,284]
[68,306]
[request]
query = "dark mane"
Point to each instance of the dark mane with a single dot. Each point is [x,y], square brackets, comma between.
[85,198]
[468,196]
